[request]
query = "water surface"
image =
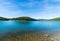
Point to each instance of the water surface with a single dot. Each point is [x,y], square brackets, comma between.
[30,30]
[29,25]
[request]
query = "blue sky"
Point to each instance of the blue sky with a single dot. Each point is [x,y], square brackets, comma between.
[33,8]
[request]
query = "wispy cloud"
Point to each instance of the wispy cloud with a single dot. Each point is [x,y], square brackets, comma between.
[8,9]
[32,8]
[54,0]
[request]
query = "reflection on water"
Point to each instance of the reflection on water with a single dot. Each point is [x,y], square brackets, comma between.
[29,25]
[29,30]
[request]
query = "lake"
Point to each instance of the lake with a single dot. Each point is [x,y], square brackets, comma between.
[29,25]
[34,26]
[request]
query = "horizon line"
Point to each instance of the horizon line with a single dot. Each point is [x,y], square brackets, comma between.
[30,17]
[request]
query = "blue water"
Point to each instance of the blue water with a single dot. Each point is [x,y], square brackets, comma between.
[6,26]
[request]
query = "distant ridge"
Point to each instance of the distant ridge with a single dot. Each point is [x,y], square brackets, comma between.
[56,19]
[30,19]
[2,18]
[24,18]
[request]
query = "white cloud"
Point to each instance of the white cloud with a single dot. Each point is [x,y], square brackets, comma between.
[34,3]
[8,13]
[6,9]
[55,0]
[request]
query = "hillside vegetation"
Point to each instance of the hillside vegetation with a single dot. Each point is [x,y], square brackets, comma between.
[24,18]
[30,19]
[57,19]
